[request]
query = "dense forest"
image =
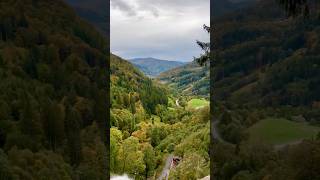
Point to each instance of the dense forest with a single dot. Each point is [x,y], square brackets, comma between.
[147,127]
[53,93]
[266,88]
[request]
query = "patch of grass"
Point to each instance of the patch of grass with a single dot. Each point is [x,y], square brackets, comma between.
[197,103]
[281,131]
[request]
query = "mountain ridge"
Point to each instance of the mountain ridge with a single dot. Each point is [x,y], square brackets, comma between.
[153,66]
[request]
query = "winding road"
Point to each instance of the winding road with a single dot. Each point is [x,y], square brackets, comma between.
[166,169]
[177,103]
[215,132]
[281,146]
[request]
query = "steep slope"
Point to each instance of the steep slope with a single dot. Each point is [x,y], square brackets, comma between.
[146,128]
[53,98]
[153,67]
[127,80]
[258,59]
[266,75]
[190,79]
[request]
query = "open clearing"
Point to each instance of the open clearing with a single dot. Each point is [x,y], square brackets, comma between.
[197,103]
[281,131]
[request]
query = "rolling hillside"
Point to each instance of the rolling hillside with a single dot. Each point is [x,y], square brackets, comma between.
[190,79]
[153,67]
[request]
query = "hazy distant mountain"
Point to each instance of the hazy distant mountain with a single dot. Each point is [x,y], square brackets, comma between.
[153,67]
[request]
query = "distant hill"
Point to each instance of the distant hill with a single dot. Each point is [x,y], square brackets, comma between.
[190,79]
[153,67]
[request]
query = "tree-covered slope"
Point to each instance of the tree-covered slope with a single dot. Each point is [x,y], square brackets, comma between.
[146,127]
[267,60]
[128,83]
[53,93]
[190,79]
[266,88]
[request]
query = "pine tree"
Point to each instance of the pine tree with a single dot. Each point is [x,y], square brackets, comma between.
[72,128]
[295,7]
[53,123]
[29,119]
[205,46]
[149,160]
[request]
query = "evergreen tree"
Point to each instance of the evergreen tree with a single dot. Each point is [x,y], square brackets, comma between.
[30,121]
[149,160]
[296,7]
[72,128]
[205,46]
[53,124]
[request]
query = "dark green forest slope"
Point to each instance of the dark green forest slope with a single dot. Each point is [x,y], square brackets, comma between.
[263,59]
[266,75]
[53,98]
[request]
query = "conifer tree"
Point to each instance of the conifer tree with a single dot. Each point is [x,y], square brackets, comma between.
[295,7]
[205,46]
[72,127]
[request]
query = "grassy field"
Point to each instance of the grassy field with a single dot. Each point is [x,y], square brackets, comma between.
[281,131]
[197,103]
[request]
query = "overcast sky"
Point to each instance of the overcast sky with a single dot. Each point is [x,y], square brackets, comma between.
[164,29]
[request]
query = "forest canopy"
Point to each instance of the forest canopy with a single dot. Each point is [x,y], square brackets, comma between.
[53,95]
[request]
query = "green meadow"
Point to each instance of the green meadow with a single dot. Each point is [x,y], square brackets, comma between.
[197,103]
[281,131]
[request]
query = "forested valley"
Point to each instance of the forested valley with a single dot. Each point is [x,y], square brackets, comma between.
[266,92]
[151,122]
[53,93]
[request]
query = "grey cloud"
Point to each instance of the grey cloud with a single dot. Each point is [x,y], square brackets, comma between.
[154,11]
[174,3]
[130,10]
[164,29]
[123,6]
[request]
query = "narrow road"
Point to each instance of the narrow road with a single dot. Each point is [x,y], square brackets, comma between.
[281,146]
[177,103]
[166,169]
[215,132]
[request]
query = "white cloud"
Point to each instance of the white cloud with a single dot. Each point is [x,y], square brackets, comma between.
[165,29]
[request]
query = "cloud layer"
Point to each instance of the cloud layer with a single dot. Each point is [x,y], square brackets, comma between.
[165,29]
